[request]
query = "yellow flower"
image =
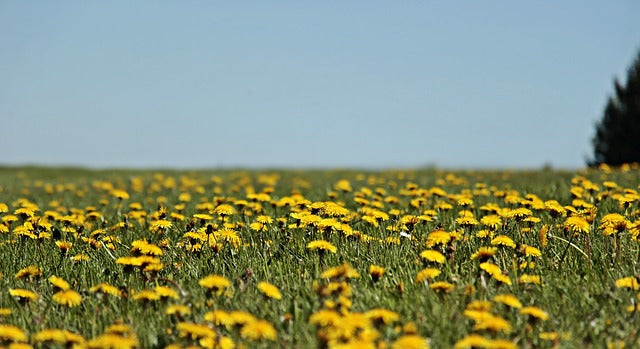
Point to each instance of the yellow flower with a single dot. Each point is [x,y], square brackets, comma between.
[492,222]
[576,224]
[240,317]
[529,279]
[219,318]
[215,283]
[321,245]
[257,330]
[105,289]
[382,316]
[613,223]
[343,185]
[530,251]
[376,272]
[23,295]
[120,194]
[492,323]
[484,253]
[145,248]
[12,333]
[324,318]
[502,278]
[224,210]
[30,271]
[64,246]
[427,274]
[490,268]
[342,271]
[503,240]
[166,292]
[473,341]
[59,336]
[69,298]
[535,312]
[442,286]
[628,282]
[438,237]
[269,290]
[410,342]
[195,330]
[178,309]
[508,299]
[59,283]
[433,256]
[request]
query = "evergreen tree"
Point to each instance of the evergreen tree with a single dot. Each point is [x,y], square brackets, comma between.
[617,138]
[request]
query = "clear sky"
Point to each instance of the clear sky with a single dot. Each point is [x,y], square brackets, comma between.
[308,83]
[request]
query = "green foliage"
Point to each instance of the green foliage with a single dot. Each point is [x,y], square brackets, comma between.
[617,138]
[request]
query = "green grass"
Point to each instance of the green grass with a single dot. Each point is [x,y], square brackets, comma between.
[578,292]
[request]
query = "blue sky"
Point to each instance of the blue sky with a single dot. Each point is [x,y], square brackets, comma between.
[308,84]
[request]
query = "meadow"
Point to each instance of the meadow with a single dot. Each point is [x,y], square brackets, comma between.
[319,259]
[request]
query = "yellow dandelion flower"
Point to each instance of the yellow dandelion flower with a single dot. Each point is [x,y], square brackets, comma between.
[257,330]
[215,283]
[384,316]
[438,237]
[64,246]
[224,210]
[502,278]
[433,256]
[530,251]
[241,317]
[325,318]
[269,290]
[343,185]
[535,312]
[529,279]
[492,222]
[145,248]
[30,271]
[120,194]
[508,299]
[484,253]
[503,240]
[410,342]
[105,288]
[427,274]
[59,283]
[12,333]
[178,309]
[195,330]
[321,245]
[493,323]
[576,224]
[473,341]
[442,287]
[479,305]
[343,271]
[628,282]
[68,298]
[23,295]
[60,337]
[376,272]
[219,318]
[490,268]
[166,292]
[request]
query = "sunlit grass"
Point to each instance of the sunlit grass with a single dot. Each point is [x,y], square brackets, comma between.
[396,259]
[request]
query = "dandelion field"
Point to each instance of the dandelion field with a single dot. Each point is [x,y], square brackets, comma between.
[319,259]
